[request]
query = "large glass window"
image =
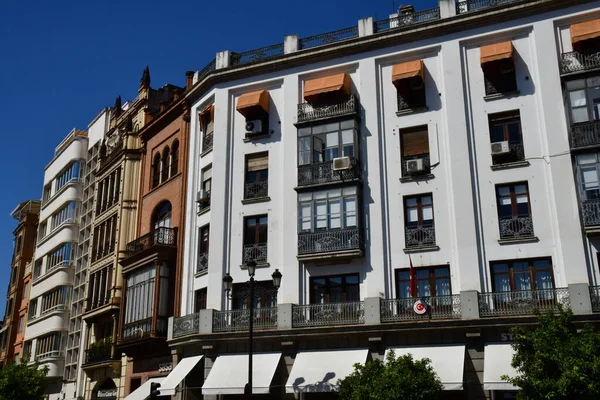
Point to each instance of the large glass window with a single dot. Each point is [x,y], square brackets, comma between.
[325,142]
[584,99]
[65,215]
[63,255]
[523,274]
[329,209]
[431,281]
[334,289]
[71,173]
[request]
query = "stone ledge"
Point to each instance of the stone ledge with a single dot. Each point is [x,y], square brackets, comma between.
[517,164]
[256,200]
[528,239]
[420,249]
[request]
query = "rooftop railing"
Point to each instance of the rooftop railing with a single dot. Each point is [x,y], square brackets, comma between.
[308,112]
[407,20]
[465,6]
[328,38]
[252,56]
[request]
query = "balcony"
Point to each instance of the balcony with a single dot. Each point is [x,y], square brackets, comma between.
[158,237]
[202,265]
[579,61]
[347,313]
[256,252]
[310,113]
[204,204]
[239,320]
[585,134]
[256,190]
[207,142]
[314,244]
[440,307]
[467,6]
[144,329]
[590,210]
[516,227]
[595,298]
[409,172]
[186,325]
[522,302]
[420,236]
[99,352]
[323,173]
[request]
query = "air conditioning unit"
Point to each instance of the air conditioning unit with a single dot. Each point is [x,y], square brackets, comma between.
[341,163]
[500,148]
[201,195]
[254,127]
[414,165]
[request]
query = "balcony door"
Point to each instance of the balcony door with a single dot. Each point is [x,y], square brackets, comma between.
[334,289]
[162,216]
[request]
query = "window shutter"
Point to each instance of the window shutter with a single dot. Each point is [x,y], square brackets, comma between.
[258,163]
[415,142]
[207,174]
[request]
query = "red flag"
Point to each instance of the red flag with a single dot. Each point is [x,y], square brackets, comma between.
[413,279]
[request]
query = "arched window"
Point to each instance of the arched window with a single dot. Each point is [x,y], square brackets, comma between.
[156,170]
[162,215]
[166,163]
[175,158]
[107,390]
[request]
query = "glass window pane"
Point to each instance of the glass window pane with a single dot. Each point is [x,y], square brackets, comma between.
[423,288]
[589,176]
[422,273]
[503,191]
[350,212]
[412,202]
[579,114]
[402,274]
[522,281]
[403,290]
[514,132]
[304,144]
[501,283]
[427,213]
[521,266]
[543,280]
[442,287]
[587,159]
[497,133]
[577,98]
[352,279]
[521,189]
[321,215]
[505,201]
[332,140]
[521,199]
[498,268]
[426,200]
[334,214]
[412,215]
[348,137]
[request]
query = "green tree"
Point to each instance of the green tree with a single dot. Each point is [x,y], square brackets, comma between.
[554,361]
[19,381]
[399,378]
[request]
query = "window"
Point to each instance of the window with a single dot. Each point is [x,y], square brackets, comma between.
[13,275]
[162,216]
[200,300]
[166,164]
[9,307]
[418,220]
[156,170]
[334,289]
[207,127]
[506,127]
[108,191]
[588,174]
[263,299]
[26,290]
[414,143]
[57,300]
[21,324]
[42,230]
[26,353]
[203,246]
[255,238]
[431,281]
[257,176]
[411,90]
[584,99]
[37,268]
[47,193]
[327,210]
[18,245]
[16,358]
[323,143]
[63,255]
[524,274]
[104,238]
[50,346]
[205,189]
[100,283]
[65,215]
[71,173]
[514,213]
[32,312]
[174,159]
[500,76]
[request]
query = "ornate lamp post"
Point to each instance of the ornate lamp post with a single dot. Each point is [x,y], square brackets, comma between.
[250,295]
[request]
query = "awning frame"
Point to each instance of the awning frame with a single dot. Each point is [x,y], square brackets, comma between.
[327,85]
[496,52]
[408,70]
[584,31]
[254,104]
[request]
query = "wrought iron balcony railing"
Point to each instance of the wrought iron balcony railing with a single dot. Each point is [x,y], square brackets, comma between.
[476,5]
[239,320]
[590,210]
[595,298]
[585,134]
[579,61]
[143,329]
[406,171]
[202,262]
[207,142]
[523,302]
[408,20]
[420,235]
[186,325]
[99,351]
[328,38]
[505,83]
[329,241]
[320,173]
[256,190]
[516,227]
[517,153]
[347,313]
[440,307]
[308,112]
[256,252]
[160,236]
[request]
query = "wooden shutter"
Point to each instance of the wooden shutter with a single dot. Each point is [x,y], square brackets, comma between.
[257,162]
[414,141]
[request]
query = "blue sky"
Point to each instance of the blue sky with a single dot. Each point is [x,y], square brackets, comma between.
[62,61]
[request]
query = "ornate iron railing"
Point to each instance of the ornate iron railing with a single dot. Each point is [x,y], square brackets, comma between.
[475,5]
[504,83]
[99,351]
[590,210]
[426,165]
[579,61]
[347,313]
[256,252]
[256,55]
[211,66]
[186,325]
[329,240]
[420,235]
[204,204]
[523,302]
[160,236]
[202,262]
[517,153]
[516,227]
[585,134]
[440,307]
[308,112]
[319,173]
[407,20]
[328,38]
[207,142]
[595,298]
[143,329]
[256,190]
[239,320]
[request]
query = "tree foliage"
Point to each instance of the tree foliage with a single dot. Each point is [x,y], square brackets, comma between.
[554,361]
[399,378]
[20,381]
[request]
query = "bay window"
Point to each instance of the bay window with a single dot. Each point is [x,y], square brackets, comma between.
[328,209]
[323,143]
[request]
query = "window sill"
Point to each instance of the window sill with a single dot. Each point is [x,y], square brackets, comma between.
[421,249]
[526,239]
[256,200]
[417,177]
[201,273]
[205,152]
[251,138]
[516,164]
[204,210]
[496,96]
[408,111]
[259,264]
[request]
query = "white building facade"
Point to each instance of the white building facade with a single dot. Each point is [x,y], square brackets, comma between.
[437,138]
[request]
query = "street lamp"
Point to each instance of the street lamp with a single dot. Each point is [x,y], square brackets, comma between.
[250,295]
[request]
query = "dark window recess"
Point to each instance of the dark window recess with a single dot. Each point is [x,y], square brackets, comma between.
[415,151]
[500,77]
[175,158]
[200,300]
[257,176]
[514,212]
[203,246]
[431,281]
[418,221]
[334,289]
[523,274]
[255,238]
[411,93]
[506,138]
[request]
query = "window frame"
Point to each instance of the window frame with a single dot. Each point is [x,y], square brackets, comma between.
[329,197]
[420,221]
[531,272]
[322,130]
[513,199]
[580,176]
[585,86]
[431,279]
[328,286]
[257,227]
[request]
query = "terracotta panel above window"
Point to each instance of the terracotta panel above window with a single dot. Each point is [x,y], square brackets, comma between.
[411,69]
[338,83]
[495,52]
[253,103]
[585,30]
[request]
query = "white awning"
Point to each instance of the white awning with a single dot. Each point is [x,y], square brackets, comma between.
[229,374]
[143,392]
[447,361]
[183,367]
[319,371]
[496,362]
